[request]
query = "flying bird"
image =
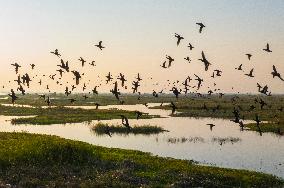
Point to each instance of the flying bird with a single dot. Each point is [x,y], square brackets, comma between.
[201,26]
[275,73]
[267,49]
[179,38]
[100,45]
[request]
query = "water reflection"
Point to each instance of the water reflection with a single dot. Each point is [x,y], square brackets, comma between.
[188,138]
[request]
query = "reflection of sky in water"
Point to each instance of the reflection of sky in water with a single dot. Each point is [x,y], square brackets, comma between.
[244,150]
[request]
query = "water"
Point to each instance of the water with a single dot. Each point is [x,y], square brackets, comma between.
[188,138]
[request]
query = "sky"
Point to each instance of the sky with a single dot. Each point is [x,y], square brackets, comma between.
[138,34]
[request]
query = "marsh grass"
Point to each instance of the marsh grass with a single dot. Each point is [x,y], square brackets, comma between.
[102,128]
[30,160]
[62,115]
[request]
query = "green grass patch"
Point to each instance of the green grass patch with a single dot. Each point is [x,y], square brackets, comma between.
[102,128]
[62,115]
[30,160]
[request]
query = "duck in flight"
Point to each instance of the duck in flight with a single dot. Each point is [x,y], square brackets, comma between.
[109,78]
[13,96]
[173,106]
[179,38]
[267,49]
[249,56]
[17,66]
[100,45]
[187,59]
[56,53]
[164,64]
[122,79]
[205,61]
[190,46]
[125,122]
[275,73]
[115,91]
[77,76]
[32,66]
[211,126]
[250,73]
[63,65]
[201,26]
[170,60]
[82,61]
[199,81]
[239,67]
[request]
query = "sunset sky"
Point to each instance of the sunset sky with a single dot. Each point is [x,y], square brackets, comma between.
[138,34]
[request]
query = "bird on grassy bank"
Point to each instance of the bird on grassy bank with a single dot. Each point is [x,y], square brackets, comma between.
[72,101]
[138,114]
[107,130]
[48,101]
[257,120]
[173,106]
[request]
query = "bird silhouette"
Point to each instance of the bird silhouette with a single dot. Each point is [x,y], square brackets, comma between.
[77,76]
[60,72]
[187,59]
[249,56]
[201,26]
[179,38]
[67,92]
[257,120]
[190,46]
[48,101]
[63,65]
[138,114]
[72,100]
[122,79]
[100,45]
[92,63]
[250,73]
[32,66]
[267,49]
[82,61]
[125,122]
[95,92]
[13,96]
[56,53]
[173,106]
[170,59]
[135,85]
[109,78]
[17,66]
[275,73]
[205,61]
[199,81]
[115,91]
[164,64]
[211,126]
[138,77]
[240,67]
